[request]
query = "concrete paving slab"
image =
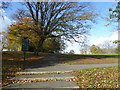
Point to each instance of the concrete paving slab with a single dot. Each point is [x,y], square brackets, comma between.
[50,84]
[63,68]
[44,77]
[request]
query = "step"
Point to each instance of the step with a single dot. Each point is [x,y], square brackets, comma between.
[42,72]
[44,77]
[50,84]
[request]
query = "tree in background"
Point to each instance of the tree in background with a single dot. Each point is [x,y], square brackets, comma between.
[15,46]
[116,42]
[53,45]
[72,52]
[95,49]
[117,49]
[3,35]
[56,19]
[3,40]
[108,47]
[85,49]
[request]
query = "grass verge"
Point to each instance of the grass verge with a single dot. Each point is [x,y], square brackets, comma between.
[106,77]
[88,59]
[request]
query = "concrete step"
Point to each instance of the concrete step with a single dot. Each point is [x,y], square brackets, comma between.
[51,84]
[44,77]
[41,72]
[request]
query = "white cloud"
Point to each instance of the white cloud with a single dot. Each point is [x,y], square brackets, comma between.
[4,21]
[1,12]
[101,40]
[73,46]
[114,36]
[96,41]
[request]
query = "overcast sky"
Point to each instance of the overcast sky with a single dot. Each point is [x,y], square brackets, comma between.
[98,34]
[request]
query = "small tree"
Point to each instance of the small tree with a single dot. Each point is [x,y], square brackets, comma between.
[23,28]
[83,51]
[95,49]
[3,40]
[53,45]
[71,52]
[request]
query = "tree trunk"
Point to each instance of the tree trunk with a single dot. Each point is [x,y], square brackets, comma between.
[39,46]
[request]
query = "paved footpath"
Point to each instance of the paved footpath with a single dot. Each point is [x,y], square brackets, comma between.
[51,69]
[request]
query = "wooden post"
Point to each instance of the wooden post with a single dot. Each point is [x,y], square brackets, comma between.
[24,55]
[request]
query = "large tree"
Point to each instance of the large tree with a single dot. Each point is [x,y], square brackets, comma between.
[115,17]
[26,28]
[115,14]
[56,19]
[4,5]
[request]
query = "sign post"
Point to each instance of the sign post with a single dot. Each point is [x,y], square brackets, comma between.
[25,46]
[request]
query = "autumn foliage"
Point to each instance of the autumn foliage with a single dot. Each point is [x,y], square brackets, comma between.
[21,29]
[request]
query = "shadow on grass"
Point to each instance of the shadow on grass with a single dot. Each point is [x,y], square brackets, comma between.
[70,57]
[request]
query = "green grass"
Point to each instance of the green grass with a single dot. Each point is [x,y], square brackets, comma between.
[97,54]
[88,59]
[93,61]
[106,77]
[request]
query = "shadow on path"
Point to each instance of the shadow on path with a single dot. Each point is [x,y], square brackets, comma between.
[52,60]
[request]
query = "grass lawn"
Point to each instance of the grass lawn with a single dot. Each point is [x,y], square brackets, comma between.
[106,77]
[88,59]
[13,62]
